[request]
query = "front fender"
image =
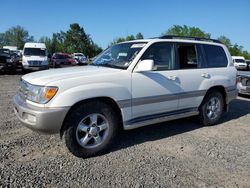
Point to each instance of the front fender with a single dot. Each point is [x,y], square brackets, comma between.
[73,95]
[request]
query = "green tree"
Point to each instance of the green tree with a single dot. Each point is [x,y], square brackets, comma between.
[117,40]
[225,41]
[139,36]
[47,42]
[1,40]
[234,49]
[187,31]
[16,36]
[76,40]
[128,38]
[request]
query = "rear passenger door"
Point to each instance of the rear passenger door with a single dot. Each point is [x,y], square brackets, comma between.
[191,74]
[218,67]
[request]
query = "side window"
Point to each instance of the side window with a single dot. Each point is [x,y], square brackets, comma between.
[163,55]
[187,54]
[215,56]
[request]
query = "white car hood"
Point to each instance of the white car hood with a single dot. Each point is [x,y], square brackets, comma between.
[47,76]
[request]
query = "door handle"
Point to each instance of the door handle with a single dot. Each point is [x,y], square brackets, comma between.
[172,77]
[205,75]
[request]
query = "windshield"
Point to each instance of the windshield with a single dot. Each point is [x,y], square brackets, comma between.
[120,55]
[239,60]
[4,51]
[35,51]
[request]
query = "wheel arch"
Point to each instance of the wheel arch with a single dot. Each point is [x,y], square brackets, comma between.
[220,89]
[107,100]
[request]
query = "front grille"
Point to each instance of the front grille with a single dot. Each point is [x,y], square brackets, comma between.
[23,90]
[35,63]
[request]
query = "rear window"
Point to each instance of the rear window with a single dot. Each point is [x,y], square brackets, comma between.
[215,56]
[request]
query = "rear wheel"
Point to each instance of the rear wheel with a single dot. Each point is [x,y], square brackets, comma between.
[90,129]
[211,108]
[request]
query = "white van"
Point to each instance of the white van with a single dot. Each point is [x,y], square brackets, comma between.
[239,62]
[35,56]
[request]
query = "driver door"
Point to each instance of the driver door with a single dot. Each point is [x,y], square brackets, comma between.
[155,92]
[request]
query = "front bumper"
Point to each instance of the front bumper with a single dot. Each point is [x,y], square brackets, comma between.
[45,120]
[34,68]
[242,67]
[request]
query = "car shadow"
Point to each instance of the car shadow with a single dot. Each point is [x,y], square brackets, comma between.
[237,108]
[125,139]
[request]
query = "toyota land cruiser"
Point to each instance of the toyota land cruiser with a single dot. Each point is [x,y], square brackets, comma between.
[129,85]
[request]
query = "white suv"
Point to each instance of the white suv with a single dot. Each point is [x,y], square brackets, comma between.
[129,85]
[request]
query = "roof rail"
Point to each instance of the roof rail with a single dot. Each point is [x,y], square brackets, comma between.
[189,38]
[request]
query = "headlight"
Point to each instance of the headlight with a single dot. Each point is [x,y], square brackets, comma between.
[40,94]
[44,62]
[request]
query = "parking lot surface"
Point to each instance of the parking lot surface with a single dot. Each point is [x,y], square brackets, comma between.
[173,154]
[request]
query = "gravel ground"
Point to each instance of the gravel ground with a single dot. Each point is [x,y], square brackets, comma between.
[173,154]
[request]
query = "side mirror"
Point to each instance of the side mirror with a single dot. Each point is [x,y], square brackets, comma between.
[145,65]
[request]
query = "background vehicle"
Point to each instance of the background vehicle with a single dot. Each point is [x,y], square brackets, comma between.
[243,83]
[62,60]
[248,63]
[129,85]
[80,57]
[35,56]
[8,61]
[239,62]
[11,48]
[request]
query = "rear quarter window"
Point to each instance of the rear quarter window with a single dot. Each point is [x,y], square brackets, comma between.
[215,56]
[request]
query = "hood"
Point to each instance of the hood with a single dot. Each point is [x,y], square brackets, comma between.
[45,77]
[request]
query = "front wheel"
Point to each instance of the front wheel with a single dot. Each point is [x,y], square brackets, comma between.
[211,108]
[90,129]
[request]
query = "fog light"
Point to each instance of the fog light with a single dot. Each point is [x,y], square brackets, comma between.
[29,117]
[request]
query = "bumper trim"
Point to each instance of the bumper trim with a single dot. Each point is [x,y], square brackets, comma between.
[44,120]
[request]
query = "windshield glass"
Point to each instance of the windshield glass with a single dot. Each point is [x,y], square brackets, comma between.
[5,51]
[35,51]
[240,60]
[120,55]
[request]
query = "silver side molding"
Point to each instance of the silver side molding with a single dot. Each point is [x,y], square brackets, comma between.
[159,120]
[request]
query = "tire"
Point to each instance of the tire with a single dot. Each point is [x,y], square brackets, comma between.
[85,133]
[211,108]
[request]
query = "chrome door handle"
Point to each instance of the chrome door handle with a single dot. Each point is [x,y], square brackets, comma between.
[172,77]
[205,75]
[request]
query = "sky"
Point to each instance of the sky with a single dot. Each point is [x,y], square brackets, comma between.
[106,20]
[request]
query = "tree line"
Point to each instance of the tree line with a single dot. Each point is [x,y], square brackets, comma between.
[75,39]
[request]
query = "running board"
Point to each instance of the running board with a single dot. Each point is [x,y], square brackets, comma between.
[140,122]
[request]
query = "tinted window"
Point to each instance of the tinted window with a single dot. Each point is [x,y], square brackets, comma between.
[162,54]
[187,56]
[215,56]
[35,51]
[239,60]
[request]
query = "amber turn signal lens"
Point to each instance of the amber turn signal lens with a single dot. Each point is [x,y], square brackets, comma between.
[50,92]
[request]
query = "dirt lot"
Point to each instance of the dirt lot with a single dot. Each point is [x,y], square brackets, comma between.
[173,154]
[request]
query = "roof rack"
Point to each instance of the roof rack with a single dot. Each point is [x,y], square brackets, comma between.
[189,38]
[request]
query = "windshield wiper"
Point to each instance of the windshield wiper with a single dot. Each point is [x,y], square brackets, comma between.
[110,66]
